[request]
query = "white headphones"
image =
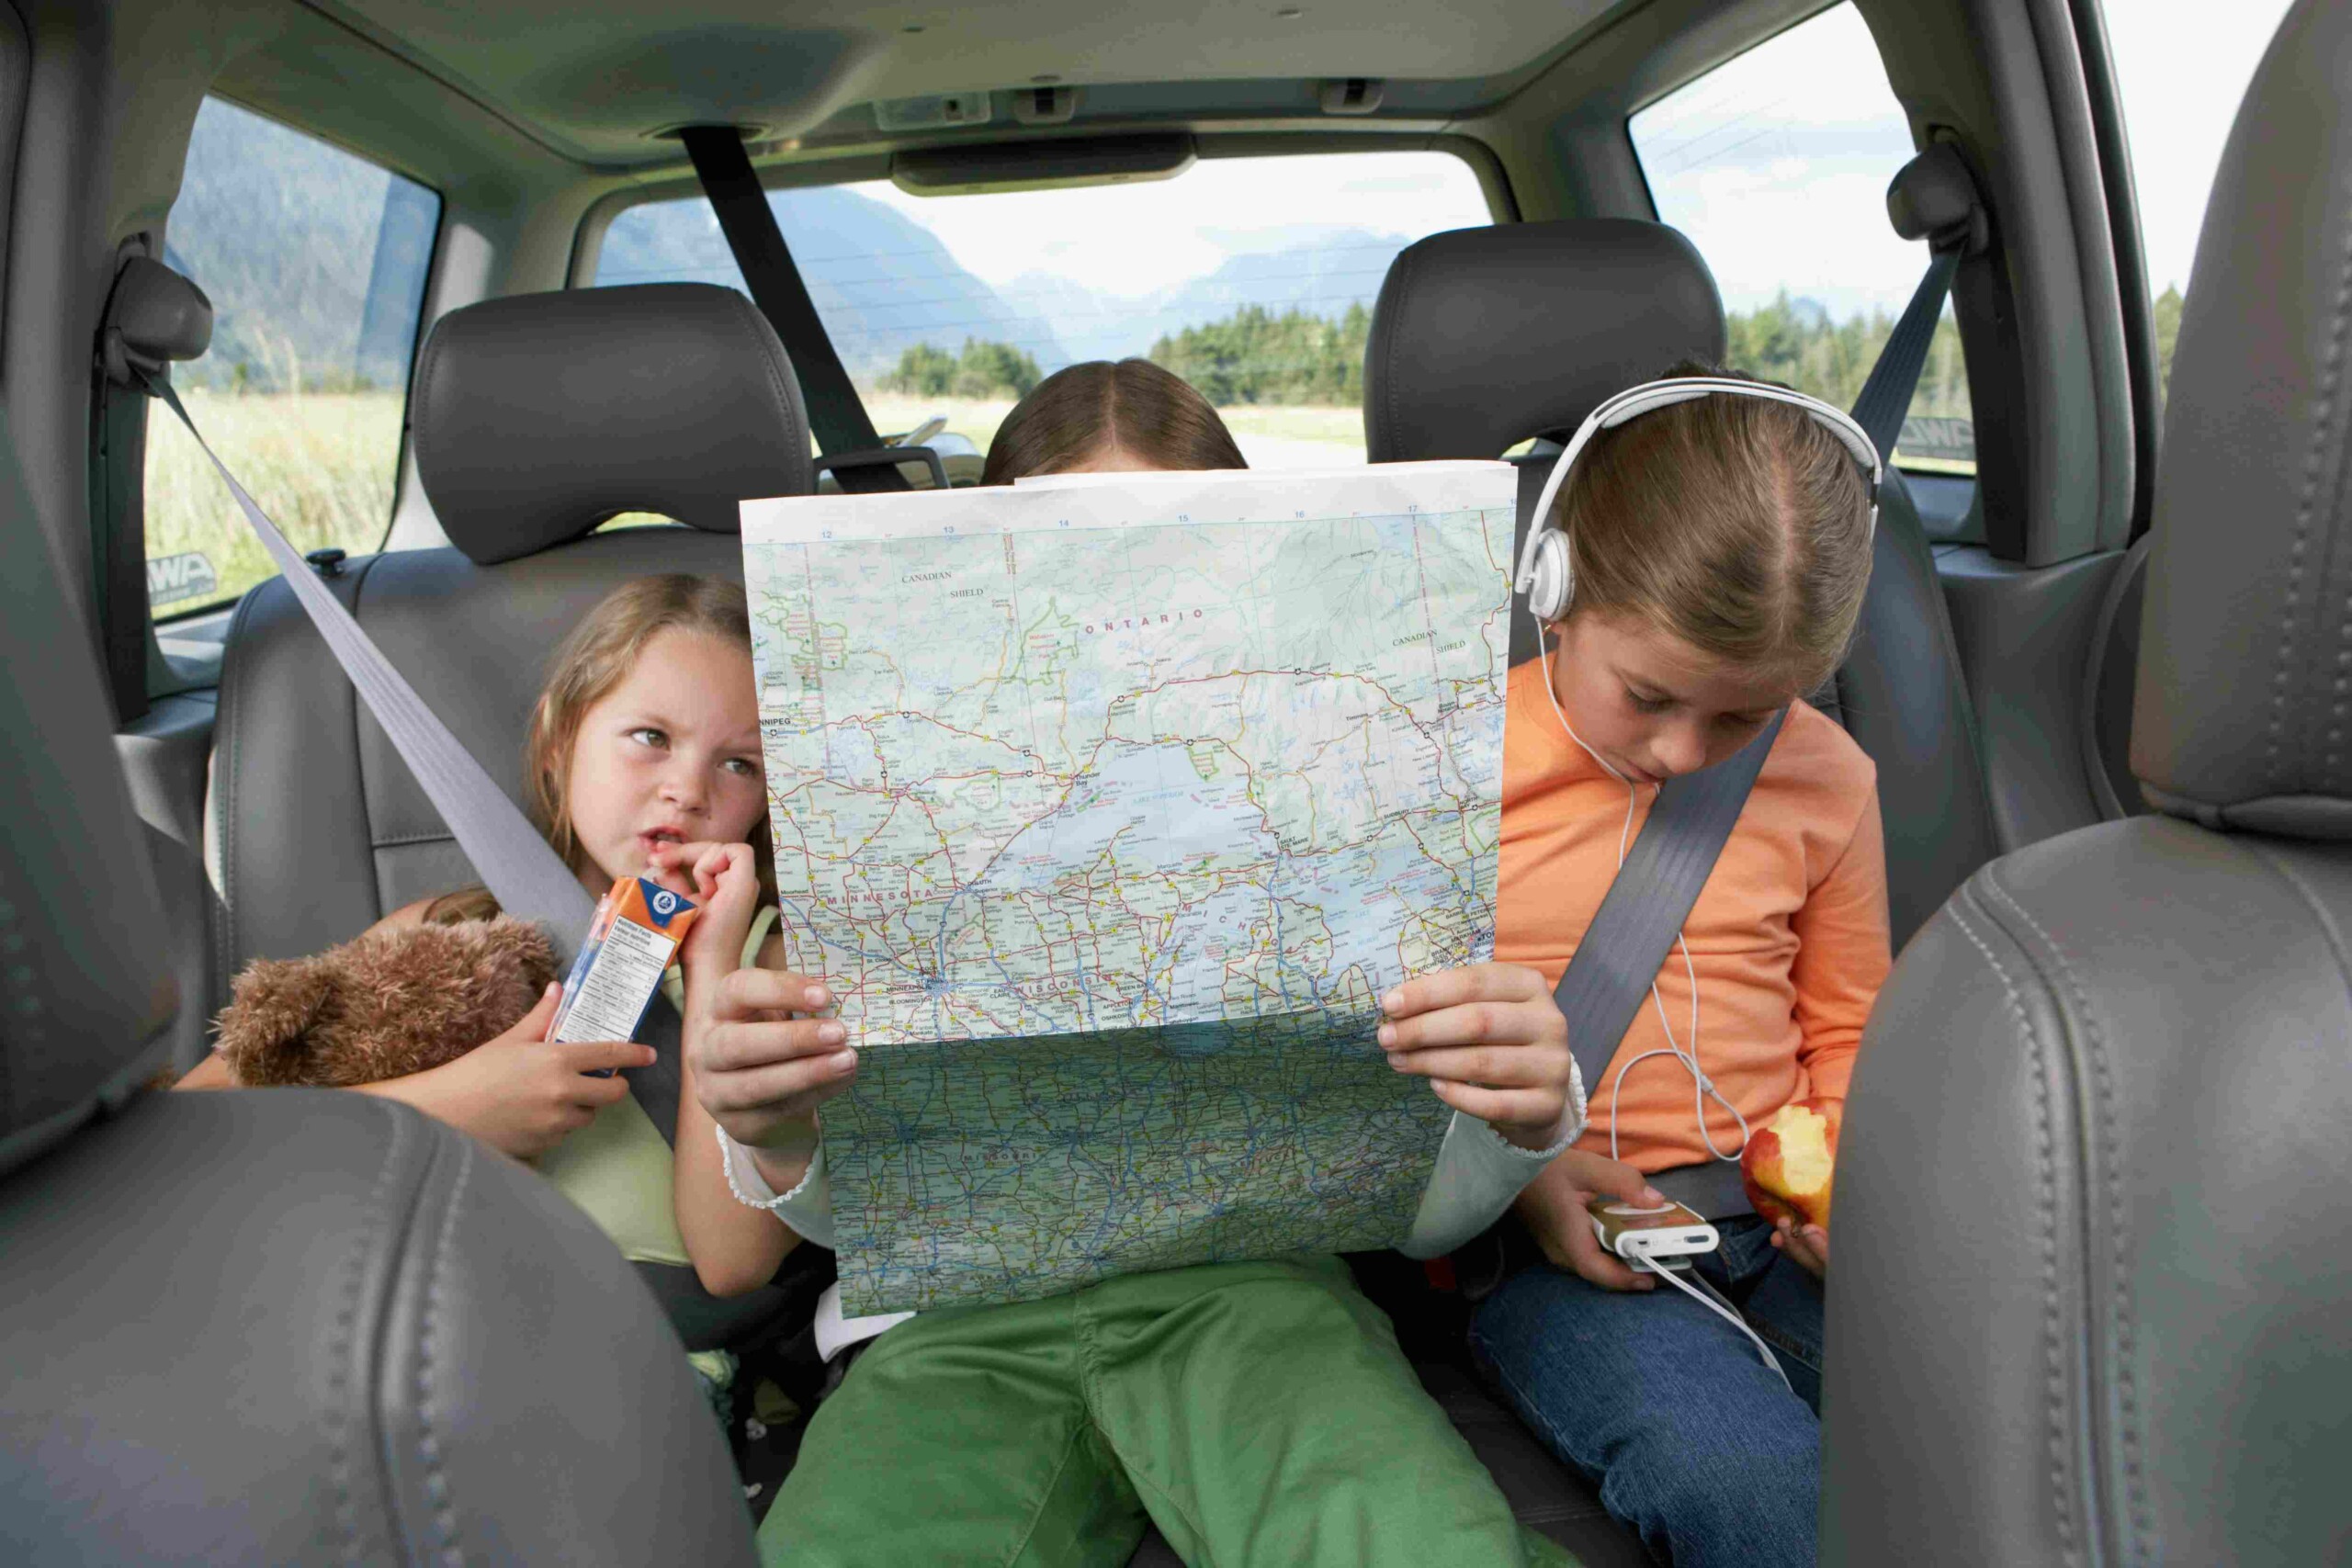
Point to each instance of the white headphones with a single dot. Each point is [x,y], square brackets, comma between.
[1546,568]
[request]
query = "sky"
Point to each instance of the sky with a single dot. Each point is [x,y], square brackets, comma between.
[1776,164]
[1139,239]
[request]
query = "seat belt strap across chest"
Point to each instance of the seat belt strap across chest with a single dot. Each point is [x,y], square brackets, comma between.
[1634,928]
[528,879]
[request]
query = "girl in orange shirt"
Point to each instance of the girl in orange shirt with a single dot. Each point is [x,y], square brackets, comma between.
[1720,548]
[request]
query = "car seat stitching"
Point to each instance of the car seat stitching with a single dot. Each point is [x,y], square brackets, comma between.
[2323,417]
[422,396]
[1406,263]
[2106,1171]
[2321,915]
[768,361]
[225,786]
[360,714]
[2046,1205]
[340,1418]
[428,1444]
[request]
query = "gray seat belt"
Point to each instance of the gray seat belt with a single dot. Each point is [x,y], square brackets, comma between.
[1633,931]
[529,880]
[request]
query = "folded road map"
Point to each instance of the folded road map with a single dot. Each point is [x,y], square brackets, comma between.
[1108,811]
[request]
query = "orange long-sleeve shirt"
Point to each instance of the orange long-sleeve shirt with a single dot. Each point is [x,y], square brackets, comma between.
[1789,936]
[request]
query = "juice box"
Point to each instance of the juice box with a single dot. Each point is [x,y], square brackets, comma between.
[632,943]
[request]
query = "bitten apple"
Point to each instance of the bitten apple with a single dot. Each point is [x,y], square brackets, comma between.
[1788,1164]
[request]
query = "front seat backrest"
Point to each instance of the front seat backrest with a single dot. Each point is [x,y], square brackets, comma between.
[291,1326]
[88,1000]
[537,417]
[1484,338]
[2093,1297]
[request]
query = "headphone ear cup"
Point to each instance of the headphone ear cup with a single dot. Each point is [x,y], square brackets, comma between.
[1554,580]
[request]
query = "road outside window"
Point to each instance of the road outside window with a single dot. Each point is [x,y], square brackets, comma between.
[1252,278]
[1776,166]
[315,262]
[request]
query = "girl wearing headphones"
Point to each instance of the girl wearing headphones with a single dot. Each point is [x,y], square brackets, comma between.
[1702,571]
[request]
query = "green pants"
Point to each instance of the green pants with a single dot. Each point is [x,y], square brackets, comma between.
[1256,1412]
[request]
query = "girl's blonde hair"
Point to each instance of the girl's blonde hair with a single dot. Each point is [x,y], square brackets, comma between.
[1132,403]
[598,655]
[1737,525]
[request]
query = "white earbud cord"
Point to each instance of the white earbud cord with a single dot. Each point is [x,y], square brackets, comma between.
[1721,1308]
[1703,1088]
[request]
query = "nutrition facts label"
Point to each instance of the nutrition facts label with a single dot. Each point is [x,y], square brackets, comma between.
[621,976]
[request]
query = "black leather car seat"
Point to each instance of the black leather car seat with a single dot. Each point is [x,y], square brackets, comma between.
[290,1328]
[537,417]
[1484,338]
[2094,1281]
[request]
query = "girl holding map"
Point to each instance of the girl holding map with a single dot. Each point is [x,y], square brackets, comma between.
[1254,1411]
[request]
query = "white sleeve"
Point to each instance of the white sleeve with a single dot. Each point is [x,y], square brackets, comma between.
[1477,1174]
[808,1208]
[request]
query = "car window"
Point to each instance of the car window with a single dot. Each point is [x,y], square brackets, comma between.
[1776,166]
[1252,278]
[2181,71]
[315,261]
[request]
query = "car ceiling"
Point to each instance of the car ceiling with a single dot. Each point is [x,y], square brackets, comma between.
[598,83]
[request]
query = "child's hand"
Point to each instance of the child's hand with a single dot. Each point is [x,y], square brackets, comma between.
[759,1071]
[518,1093]
[1808,1245]
[1553,1209]
[1491,1042]
[724,880]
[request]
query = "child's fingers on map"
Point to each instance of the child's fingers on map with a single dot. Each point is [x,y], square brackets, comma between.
[1501,1107]
[1476,1022]
[743,1045]
[784,1088]
[747,992]
[1470,983]
[1505,1066]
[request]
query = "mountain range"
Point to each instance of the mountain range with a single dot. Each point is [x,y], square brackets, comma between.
[314,262]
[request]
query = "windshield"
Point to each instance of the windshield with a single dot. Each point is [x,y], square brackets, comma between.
[1252,278]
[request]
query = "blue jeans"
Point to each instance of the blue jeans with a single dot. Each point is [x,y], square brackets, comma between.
[1668,1408]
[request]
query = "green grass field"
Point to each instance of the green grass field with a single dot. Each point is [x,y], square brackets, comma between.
[322,465]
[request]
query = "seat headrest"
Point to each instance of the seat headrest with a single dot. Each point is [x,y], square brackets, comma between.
[85,995]
[2243,713]
[540,415]
[1485,337]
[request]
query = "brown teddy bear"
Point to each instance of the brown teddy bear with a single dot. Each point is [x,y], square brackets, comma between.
[394,1001]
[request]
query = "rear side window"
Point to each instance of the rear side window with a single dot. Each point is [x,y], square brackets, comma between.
[1252,278]
[1776,166]
[315,261]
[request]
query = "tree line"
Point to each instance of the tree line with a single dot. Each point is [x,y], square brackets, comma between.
[1297,358]
[984,370]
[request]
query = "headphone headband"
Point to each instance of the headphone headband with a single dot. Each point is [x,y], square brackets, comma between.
[1634,401]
